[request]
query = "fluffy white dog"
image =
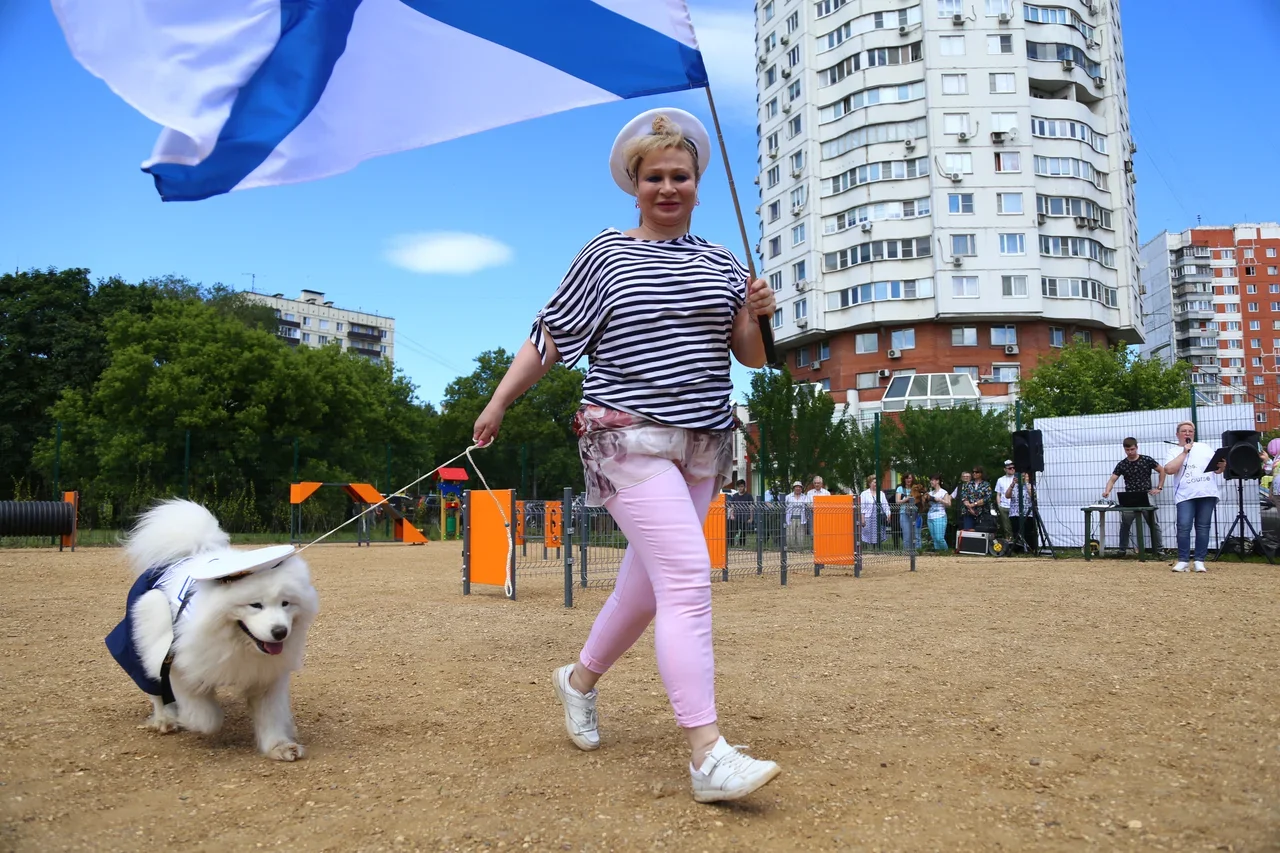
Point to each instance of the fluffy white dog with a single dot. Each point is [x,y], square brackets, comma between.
[201,616]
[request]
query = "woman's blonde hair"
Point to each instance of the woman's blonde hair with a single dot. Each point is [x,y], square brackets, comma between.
[1181,425]
[665,134]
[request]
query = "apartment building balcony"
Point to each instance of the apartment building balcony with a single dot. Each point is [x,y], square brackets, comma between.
[1190,314]
[355,334]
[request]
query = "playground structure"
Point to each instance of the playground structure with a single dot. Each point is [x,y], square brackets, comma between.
[550,537]
[362,497]
[42,518]
[449,485]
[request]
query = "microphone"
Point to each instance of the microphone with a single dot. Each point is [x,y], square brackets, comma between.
[1174,443]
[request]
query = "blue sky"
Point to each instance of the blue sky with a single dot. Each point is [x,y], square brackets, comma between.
[1201,89]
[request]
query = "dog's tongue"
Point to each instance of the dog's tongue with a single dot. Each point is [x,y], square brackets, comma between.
[273,648]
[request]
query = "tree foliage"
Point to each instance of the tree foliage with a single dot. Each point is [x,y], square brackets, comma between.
[797,434]
[1083,379]
[536,450]
[948,441]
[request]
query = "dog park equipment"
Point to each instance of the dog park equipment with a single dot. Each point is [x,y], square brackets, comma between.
[42,518]
[362,495]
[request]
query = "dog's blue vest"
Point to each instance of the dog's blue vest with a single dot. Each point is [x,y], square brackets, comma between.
[177,587]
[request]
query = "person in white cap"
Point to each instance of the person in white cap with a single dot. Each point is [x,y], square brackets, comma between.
[797,517]
[659,311]
[1003,485]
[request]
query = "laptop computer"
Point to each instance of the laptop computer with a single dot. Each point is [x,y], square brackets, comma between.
[1134,499]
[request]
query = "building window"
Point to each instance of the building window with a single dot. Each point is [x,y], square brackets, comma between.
[964,244]
[951,46]
[1003,83]
[288,316]
[999,44]
[947,8]
[866,342]
[999,7]
[1260,417]
[902,339]
[1227,254]
[1003,336]
[1274,271]
[962,163]
[771,142]
[775,210]
[798,270]
[972,370]
[801,309]
[955,84]
[1255,343]
[768,11]
[960,202]
[306,337]
[777,319]
[1256,361]
[775,246]
[793,57]
[797,234]
[339,327]
[964,336]
[1250,271]
[964,286]
[1056,336]
[1253,306]
[793,22]
[1013,285]
[802,357]
[1271,253]
[799,196]
[1254,326]
[1006,372]
[324,324]
[1004,122]
[797,161]
[793,127]
[867,381]
[771,75]
[775,280]
[772,176]
[824,350]
[322,340]
[771,109]
[955,123]
[1248,253]
[1013,244]
[1008,202]
[1008,161]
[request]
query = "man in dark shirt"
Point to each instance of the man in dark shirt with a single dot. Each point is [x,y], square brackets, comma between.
[1136,470]
[742,517]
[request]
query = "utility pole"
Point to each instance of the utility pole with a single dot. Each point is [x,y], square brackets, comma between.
[253,281]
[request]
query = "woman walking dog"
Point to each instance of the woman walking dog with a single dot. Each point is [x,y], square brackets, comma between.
[659,311]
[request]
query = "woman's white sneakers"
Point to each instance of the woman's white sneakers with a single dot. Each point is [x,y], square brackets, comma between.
[727,773]
[1198,566]
[580,719]
[1181,566]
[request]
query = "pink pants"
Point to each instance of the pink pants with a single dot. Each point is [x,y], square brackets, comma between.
[666,572]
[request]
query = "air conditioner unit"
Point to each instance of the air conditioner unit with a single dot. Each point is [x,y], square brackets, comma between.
[797,209]
[795,173]
[957,19]
[1004,17]
[956,177]
[1041,218]
[910,143]
[786,108]
[785,39]
[963,136]
[802,285]
[802,323]
[757,210]
[884,373]
[1068,65]
[999,136]
[1093,45]
[1128,165]
[763,57]
[1093,8]
[1081,222]
[866,228]
[1011,349]
[1100,82]
[786,72]
[1095,223]
[773,153]
[902,31]
[895,353]
[957,261]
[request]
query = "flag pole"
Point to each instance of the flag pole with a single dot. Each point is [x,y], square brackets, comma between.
[766,329]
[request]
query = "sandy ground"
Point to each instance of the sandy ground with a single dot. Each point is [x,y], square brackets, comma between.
[975,705]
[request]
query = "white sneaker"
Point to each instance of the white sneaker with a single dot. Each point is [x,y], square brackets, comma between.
[1199,566]
[580,719]
[1180,566]
[729,774]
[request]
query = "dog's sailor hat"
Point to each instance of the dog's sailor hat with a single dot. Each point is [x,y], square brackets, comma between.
[224,565]
[642,125]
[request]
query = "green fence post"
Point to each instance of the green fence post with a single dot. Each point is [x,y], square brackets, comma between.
[524,465]
[295,459]
[387,526]
[1193,408]
[1017,415]
[57,463]
[186,467]
[876,497]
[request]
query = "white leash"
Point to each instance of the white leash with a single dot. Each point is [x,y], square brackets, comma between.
[506,522]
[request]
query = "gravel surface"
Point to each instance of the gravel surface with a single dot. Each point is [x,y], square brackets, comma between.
[975,705]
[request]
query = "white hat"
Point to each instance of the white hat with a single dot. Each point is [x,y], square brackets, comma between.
[1008,462]
[226,564]
[642,125]
[797,483]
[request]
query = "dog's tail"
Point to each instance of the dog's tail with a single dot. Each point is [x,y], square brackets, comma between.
[170,531]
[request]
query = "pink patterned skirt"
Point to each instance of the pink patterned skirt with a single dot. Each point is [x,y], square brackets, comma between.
[620,449]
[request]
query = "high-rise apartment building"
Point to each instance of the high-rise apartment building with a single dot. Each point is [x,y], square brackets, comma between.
[1213,300]
[311,321]
[945,186]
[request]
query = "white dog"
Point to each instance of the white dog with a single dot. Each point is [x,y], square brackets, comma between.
[201,616]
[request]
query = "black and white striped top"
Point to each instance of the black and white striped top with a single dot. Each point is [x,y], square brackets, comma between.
[655,317]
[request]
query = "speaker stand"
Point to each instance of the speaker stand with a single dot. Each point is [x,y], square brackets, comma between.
[1019,538]
[1242,521]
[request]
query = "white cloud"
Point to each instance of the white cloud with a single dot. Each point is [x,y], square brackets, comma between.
[447,252]
[728,43]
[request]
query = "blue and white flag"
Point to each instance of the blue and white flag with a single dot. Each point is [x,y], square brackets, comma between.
[255,93]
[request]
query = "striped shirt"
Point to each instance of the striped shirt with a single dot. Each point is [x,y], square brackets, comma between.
[655,317]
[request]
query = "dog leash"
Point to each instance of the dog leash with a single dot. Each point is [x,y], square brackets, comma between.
[506,522]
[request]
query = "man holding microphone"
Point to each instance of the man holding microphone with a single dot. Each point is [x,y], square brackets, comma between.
[1136,468]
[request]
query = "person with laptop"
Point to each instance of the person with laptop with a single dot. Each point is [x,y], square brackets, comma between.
[1136,469]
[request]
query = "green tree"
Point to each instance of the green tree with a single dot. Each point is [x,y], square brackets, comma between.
[1083,379]
[536,438]
[949,441]
[797,434]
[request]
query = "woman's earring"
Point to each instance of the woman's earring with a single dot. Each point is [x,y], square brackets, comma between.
[637,205]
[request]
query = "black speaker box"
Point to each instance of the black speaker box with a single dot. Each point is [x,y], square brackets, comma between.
[1028,451]
[1243,462]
